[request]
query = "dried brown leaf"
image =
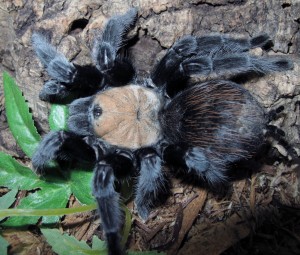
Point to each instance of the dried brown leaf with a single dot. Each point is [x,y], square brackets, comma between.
[214,238]
[190,213]
[25,242]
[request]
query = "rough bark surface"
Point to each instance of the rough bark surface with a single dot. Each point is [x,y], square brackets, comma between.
[72,25]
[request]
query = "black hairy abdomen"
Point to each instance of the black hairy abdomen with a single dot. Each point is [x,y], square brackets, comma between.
[219,116]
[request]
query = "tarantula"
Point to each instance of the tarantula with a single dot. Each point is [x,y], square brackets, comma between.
[122,126]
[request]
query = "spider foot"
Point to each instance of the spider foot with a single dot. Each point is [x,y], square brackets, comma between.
[262,41]
[66,78]
[143,211]
[115,67]
[113,241]
[53,91]
[57,65]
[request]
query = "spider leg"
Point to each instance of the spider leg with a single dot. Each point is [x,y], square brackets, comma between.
[66,77]
[234,64]
[277,134]
[105,174]
[152,182]
[216,54]
[199,162]
[116,68]
[206,46]
[61,145]
[108,205]
[224,44]
[79,114]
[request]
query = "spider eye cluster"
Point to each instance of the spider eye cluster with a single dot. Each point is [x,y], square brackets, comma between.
[97,111]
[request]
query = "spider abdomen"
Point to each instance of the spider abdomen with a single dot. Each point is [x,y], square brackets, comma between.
[219,116]
[128,117]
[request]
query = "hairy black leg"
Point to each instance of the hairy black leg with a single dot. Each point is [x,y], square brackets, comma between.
[54,91]
[80,116]
[279,137]
[152,183]
[273,114]
[115,165]
[263,41]
[205,164]
[123,162]
[108,205]
[206,46]
[233,65]
[217,54]
[61,145]
[56,63]
[199,162]
[66,77]
[168,66]
[116,68]
[275,131]
[224,44]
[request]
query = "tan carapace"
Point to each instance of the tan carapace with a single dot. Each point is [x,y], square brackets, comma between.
[129,116]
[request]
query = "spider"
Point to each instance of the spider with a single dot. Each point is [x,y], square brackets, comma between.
[125,127]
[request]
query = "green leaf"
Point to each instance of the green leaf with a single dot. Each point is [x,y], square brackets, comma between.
[7,200]
[58,117]
[80,183]
[50,196]
[47,194]
[127,226]
[98,244]
[3,246]
[64,244]
[15,175]
[19,118]
[47,212]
